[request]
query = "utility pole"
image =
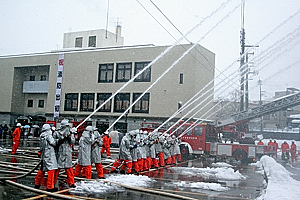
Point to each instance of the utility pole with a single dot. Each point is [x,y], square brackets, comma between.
[242,61]
[244,67]
[260,103]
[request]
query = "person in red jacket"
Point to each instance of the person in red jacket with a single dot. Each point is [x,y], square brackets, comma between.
[284,146]
[276,147]
[271,147]
[270,143]
[293,151]
[260,143]
[16,138]
[106,144]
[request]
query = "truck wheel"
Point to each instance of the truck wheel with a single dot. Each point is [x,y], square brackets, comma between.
[240,155]
[184,152]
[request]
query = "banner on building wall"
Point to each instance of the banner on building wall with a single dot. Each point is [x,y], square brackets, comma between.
[58,85]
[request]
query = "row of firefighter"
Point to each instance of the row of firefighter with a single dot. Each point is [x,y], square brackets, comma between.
[138,152]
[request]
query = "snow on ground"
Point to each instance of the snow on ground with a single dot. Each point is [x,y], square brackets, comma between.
[3,150]
[221,164]
[198,185]
[280,184]
[220,173]
[84,187]
[90,187]
[131,180]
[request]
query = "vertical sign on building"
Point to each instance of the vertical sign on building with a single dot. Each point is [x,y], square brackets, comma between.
[58,85]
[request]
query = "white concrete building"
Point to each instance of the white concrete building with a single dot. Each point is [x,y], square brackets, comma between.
[92,75]
[94,38]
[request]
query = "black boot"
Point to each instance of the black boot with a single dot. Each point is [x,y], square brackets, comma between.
[52,190]
[37,186]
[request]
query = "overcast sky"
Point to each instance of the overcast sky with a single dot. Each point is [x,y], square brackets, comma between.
[37,26]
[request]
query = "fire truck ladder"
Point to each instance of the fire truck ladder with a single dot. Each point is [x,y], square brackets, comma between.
[276,105]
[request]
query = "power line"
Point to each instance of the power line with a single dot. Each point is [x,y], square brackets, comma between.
[219,8]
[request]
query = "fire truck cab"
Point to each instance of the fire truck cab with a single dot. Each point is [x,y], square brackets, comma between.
[195,138]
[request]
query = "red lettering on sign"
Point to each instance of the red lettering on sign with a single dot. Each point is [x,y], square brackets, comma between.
[61,62]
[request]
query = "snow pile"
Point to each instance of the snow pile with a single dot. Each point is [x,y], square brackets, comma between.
[131,180]
[280,184]
[89,187]
[217,173]
[199,185]
[84,187]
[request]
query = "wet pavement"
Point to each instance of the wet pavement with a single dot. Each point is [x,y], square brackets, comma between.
[249,188]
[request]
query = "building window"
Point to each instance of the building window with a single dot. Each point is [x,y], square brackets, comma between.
[32,78]
[121,102]
[101,98]
[105,73]
[181,79]
[71,102]
[78,42]
[43,77]
[92,41]
[146,75]
[41,104]
[142,105]
[123,73]
[87,102]
[30,103]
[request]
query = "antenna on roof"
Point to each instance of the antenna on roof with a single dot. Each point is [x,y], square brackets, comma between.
[118,30]
[107,18]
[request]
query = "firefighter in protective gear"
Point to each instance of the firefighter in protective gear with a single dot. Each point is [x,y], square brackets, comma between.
[106,144]
[270,143]
[49,163]
[124,154]
[141,154]
[176,150]
[133,151]
[95,155]
[153,139]
[260,143]
[284,147]
[166,149]
[271,147]
[64,151]
[16,138]
[159,149]
[84,154]
[293,151]
[147,163]
[275,144]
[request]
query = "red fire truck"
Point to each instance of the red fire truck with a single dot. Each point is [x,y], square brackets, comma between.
[204,140]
